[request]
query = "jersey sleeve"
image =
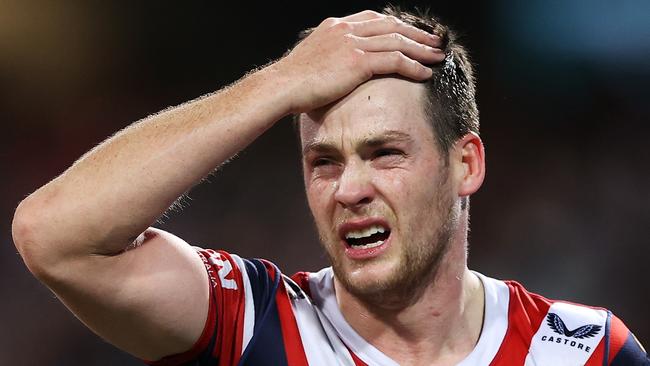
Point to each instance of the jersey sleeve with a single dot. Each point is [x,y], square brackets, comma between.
[624,348]
[241,292]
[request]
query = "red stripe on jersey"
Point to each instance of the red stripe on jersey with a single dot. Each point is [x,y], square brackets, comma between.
[290,334]
[302,280]
[526,312]
[230,309]
[596,358]
[618,334]
[356,360]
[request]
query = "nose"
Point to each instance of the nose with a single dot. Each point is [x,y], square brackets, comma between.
[355,188]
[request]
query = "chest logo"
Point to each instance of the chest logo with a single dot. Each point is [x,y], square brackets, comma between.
[557,325]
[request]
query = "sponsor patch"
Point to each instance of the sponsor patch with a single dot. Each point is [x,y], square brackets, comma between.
[568,336]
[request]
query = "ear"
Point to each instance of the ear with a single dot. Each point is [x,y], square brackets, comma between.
[469,158]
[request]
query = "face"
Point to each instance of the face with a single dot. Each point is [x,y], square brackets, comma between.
[379,190]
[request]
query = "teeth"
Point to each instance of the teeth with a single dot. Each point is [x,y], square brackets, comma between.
[364,233]
[371,245]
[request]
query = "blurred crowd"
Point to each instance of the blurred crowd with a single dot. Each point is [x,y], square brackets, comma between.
[562,91]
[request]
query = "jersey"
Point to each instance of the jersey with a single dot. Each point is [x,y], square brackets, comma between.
[258,316]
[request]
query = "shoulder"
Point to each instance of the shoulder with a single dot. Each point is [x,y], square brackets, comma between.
[229,271]
[537,309]
[554,325]
[624,348]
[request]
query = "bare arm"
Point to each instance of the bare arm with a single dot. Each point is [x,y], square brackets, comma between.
[72,232]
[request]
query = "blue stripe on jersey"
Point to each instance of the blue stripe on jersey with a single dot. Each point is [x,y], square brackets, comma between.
[631,354]
[206,357]
[266,347]
[608,324]
[262,287]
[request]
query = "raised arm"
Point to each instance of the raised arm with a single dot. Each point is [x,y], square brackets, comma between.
[86,233]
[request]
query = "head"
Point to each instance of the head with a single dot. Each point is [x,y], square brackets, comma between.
[388,170]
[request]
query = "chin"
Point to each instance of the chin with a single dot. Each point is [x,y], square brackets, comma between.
[369,281]
[392,282]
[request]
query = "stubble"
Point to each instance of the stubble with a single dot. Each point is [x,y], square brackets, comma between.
[424,248]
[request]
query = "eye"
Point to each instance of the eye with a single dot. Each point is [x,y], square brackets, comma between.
[324,168]
[386,152]
[320,162]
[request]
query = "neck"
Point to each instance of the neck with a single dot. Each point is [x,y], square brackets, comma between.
[441,327]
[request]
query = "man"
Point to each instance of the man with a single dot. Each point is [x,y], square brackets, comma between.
[391,153]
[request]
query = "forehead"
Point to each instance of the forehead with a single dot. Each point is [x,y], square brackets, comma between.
[374,108]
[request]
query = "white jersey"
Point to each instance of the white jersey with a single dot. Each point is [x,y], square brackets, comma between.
[258,316]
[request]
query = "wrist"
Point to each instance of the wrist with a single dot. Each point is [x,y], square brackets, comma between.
[286,86]
[273,85]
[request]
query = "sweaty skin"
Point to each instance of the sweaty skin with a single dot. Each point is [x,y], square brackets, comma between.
[72,233]
[371,159]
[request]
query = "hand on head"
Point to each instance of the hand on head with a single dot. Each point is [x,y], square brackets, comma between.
[342,53]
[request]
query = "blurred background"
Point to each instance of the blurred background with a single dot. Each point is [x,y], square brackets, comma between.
[564,110]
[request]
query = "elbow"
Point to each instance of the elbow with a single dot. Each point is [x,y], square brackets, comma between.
[26,230]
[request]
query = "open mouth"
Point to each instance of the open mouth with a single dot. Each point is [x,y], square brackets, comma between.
[370,237]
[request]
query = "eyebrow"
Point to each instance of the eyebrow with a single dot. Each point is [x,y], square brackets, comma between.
[374,141]
[386,137]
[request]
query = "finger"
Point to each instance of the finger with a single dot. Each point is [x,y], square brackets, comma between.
[362,16]
[386,25]
[407,46]
[395,62]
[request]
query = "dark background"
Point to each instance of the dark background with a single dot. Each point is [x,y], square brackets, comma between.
[564,111]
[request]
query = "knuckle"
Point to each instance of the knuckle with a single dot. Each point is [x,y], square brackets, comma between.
[397,37]
[348,38]
[328,22]
[356,58]
[371,13]
[392,20]
[416,67]
[349,41]
[397,58]
[342,27]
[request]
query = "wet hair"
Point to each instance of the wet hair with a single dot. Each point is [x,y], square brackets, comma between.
[451,92]
[450,100]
